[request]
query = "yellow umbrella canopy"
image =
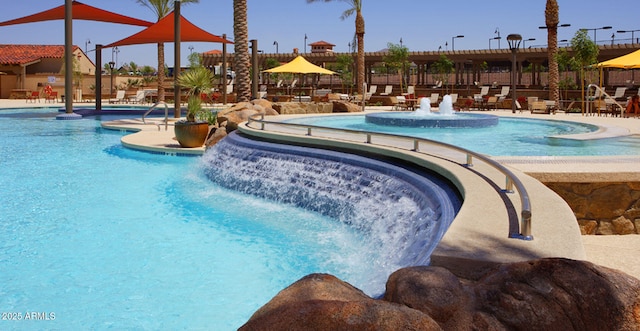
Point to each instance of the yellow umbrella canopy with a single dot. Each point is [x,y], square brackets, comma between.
[629,61]
[300,65]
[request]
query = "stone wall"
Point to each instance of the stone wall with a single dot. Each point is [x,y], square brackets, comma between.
[603,208]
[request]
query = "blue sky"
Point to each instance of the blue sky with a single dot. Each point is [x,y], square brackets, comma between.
[422,25]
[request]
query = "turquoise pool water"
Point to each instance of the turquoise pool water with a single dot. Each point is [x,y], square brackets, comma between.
[511,137]
[102,237]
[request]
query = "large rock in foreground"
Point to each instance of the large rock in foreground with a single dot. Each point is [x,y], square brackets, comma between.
[545,294]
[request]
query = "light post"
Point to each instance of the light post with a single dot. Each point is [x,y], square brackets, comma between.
[524,42]
[400,41]
[86,46]
[191,50]
[565,25]
[632,37]
[452,39]
[305,43]
[595,40]
[514,43]
[111,66]
[494,38]
[275,43]
[498,38]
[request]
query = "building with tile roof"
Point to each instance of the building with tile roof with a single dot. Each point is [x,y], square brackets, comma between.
[30,67]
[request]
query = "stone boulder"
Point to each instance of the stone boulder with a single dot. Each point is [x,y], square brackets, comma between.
[345,107]
[292,108]
[323,302]
[544,294]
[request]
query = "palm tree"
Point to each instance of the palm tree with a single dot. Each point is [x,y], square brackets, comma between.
[241,50]
[161,8]
[551,19]
[356,7]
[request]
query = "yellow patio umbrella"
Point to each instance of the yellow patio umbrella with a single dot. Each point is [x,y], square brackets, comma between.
[629,61]
[300,65]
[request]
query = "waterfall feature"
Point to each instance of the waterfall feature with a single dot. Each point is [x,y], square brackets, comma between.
[404,211]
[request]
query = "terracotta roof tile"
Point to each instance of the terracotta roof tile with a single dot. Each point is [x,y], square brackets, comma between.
[21,54]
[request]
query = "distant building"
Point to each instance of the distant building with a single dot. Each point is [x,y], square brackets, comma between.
[30,67]
[321,47]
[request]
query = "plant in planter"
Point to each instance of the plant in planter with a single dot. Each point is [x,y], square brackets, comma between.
[193,131]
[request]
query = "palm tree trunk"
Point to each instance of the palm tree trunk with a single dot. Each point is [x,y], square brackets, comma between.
[241,50]
[551,18]
[161,76]
[360,77]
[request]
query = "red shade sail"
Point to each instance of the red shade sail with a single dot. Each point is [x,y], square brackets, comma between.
[163,31]
[80,12]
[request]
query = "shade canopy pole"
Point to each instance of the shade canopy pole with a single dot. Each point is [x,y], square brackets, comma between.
[68,58]
[176,53]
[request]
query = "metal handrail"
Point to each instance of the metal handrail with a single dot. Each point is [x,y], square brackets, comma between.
[166,114]
[604,95]
[511,180]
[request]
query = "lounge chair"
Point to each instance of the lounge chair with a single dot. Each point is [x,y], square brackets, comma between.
[411,91]
[478,98]
[530,101]
[35,95]
[373,89]
[454,99]
[52,96]
[139,98]
[492,103]
[433,99]
[387,90]
[401,103]
[504,92]
[119,97]
[438,84]
[539,107]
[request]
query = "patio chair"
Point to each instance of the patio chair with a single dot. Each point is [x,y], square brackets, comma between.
[438,84]
[139,97]
[401,103]
[433,99]
[483,91]
[35,95]
[119,97]
[373,89]
[539,107]
[492,103]
[411,91]
[52,97]
[504,92]
[387,90]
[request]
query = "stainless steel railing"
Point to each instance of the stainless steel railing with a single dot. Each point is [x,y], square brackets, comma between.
[511,181]
[166,114]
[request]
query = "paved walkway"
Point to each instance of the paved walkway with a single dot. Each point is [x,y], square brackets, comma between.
[619,252]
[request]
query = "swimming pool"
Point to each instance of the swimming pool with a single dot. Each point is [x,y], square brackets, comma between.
[102,237]
[511,137]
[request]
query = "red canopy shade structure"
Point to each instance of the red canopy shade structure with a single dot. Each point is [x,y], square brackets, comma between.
[164,31]
[80,12]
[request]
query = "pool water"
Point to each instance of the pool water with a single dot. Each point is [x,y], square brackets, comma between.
[511,137]
[104,237]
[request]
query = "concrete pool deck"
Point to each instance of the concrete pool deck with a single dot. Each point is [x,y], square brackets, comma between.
[618,252]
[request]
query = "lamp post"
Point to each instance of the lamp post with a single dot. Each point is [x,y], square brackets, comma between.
[86,46]
[400,41]
[514,43]
[275,43]
[524,42]
[305,43]
[595,40]
[494,38]
[498,38]
[452,39]
[111,66]
[632,37]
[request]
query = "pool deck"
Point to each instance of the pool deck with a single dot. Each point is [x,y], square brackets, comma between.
[618,252]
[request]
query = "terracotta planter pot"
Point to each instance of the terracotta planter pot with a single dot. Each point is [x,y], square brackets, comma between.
[191,134]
